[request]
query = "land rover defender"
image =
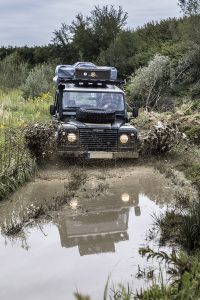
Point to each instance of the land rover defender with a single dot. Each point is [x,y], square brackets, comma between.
[90,114]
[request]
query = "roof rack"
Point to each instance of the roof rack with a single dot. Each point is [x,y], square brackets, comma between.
[86,73]
[94,82]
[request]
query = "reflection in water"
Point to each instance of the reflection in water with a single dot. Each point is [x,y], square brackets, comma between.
[94,232]
[113,225]
[73,203]
[99,230]
[106,222]
[106,219]
[125,197]
[137,211]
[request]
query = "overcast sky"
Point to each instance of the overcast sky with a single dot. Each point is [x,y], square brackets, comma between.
[32,22]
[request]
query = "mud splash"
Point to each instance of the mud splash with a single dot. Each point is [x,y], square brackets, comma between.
[96,235]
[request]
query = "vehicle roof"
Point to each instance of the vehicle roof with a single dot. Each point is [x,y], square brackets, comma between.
[107,88]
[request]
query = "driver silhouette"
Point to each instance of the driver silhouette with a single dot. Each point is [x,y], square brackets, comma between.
[107,102]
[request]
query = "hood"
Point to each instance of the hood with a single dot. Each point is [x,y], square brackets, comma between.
[74,124]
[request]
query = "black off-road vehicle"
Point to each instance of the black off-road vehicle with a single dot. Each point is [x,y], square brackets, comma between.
[90,114]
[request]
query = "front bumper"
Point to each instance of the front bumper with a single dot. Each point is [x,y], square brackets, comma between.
[99,154]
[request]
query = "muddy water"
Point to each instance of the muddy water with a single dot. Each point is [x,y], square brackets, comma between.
[97,235]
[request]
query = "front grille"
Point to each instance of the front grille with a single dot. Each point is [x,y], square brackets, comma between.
[99,139]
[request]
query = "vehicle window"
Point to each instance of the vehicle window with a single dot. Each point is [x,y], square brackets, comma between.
[114,101]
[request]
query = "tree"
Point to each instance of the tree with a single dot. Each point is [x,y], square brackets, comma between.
[150,83]
[83,39]
[62,36]
[106,24]
[190,7]
[91,34]
[13,71]
[120,53]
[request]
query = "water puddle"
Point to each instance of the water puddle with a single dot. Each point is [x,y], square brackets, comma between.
[79,248]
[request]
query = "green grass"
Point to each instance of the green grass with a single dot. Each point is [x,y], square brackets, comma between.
[16,112]
[185,274]
[16,163]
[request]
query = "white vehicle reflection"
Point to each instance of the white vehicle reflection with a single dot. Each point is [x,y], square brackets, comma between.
[106,221]
[104,225]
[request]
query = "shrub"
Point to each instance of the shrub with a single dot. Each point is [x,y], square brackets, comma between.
[39,81]
[149,83]
[192,132]
[160,139]
[12,73]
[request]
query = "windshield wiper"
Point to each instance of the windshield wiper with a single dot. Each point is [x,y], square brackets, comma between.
[70,107]
[91,108]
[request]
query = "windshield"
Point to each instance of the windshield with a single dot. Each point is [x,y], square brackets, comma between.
[92,100]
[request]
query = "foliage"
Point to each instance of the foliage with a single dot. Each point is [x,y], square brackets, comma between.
[192,172]
[192,132]
[102,37]
[80,297]
[89,35]
[150,82]
[177,263]
[39,81]
[12,72]
[187,224]
[187,272]
[51,54]
[107,23]
[16,112]
[191,228]
[184,270]
[160,139]
[120,53]
[169,224]
[16,164]
[187,72]
[190,7]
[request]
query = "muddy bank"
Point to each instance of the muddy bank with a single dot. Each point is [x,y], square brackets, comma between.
[97,233]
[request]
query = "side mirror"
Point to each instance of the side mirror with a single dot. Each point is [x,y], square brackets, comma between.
[52,110]
[135,112]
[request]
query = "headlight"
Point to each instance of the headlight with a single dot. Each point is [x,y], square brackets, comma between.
[72,137]
[125,197]
[124,138]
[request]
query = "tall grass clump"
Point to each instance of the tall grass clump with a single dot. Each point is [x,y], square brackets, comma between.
[181,225]
[16,164]
[15,111]
[190,228]
[184,272]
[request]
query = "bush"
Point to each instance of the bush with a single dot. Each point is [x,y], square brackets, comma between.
[192,132]
[150,83]
[12,73]
[39,81]
[160,139]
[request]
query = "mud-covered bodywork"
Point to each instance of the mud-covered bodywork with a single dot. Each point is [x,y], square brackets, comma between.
[91,121]
[102,138]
